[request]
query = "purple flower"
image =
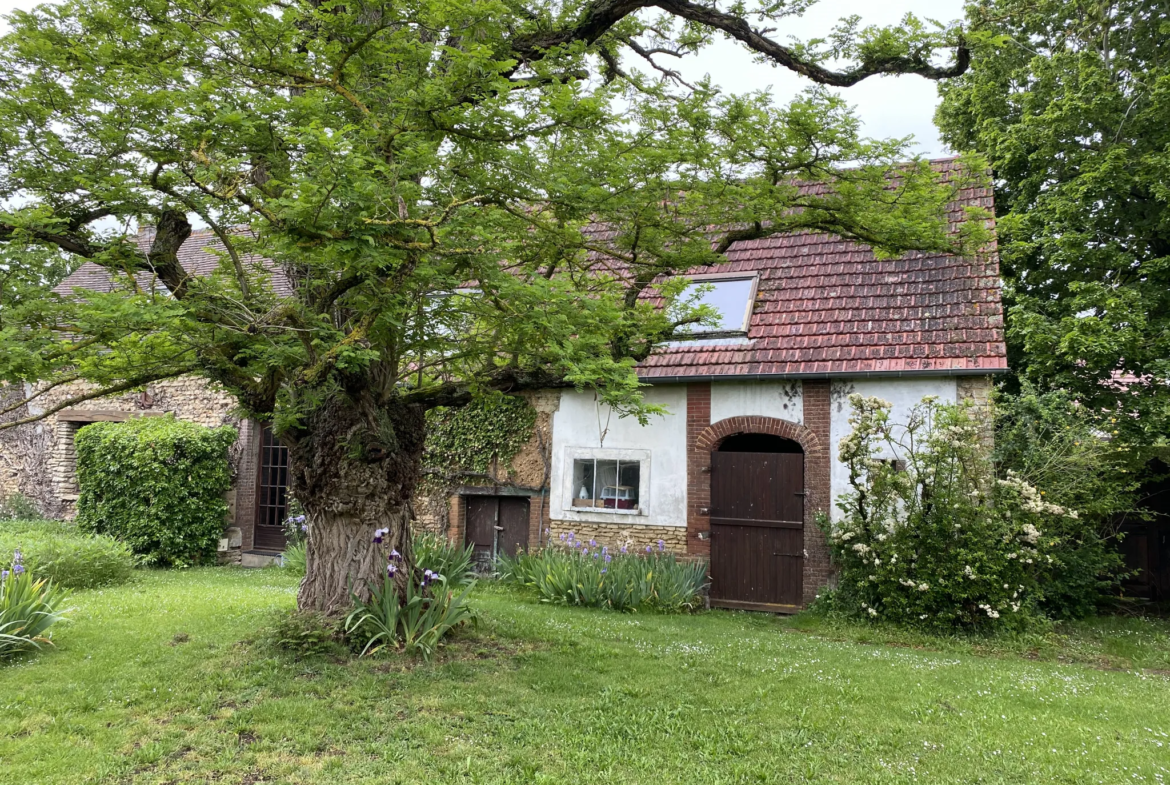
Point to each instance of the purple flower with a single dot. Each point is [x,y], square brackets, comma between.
[608,558]
[427,574]
[562,536]
[3,575]
[584,551]
[394,554]
[596,554]
[605,549]
[17,556]
[299,519]
[391,569]
[648,549]
[624,549]
[305,527]
[572,536]
[592,543]
[661,545]
[17,569]
[604,570]
[379,534]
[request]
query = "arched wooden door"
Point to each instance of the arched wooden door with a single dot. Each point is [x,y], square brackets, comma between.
[757,530]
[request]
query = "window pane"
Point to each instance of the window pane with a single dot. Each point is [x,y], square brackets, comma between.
[730,298]
[583,482]
[606,484]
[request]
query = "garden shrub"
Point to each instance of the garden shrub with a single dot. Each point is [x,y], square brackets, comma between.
[937,540]
[1051,442]
[69,558]
[29,606]
[572,572]
[157,484]
[413,614]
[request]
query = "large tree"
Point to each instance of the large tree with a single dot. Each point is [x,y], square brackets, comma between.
[465,196]
[1070,103]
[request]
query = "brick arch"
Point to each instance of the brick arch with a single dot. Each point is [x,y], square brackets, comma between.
[713,435]
[705,436]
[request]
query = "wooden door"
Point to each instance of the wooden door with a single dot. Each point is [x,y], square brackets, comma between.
[757,530]
[271,494]
[495,525]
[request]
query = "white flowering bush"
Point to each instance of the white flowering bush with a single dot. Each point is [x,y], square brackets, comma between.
[933,538]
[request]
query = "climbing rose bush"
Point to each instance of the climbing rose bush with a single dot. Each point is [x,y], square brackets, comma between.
[932,538]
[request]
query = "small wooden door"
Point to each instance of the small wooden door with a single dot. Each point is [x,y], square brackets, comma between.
[496,525]
[757,530]
[271,494]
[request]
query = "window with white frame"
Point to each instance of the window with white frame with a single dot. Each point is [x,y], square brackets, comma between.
[731,296]
[607,481]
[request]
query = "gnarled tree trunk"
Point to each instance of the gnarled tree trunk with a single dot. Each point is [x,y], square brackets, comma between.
[354,467]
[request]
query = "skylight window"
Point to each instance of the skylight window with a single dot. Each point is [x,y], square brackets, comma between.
[731,297]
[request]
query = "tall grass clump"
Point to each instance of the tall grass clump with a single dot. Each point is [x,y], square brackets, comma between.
[571,572]
[28,607]
[451,560]
[69,558]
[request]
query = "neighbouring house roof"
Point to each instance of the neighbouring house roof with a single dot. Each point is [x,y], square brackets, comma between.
[827,306]
[199,255]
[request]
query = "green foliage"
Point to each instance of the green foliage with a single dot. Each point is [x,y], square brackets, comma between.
[305,634]
[69,558]
[471,438]
[29,606]
[1053,442]
[437,554]
[941,543]
[1070,103]
[416,618]
[157,484]
[576,573]
[17,506]
[385,174]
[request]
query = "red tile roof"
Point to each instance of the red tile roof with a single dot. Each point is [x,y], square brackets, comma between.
[827,306]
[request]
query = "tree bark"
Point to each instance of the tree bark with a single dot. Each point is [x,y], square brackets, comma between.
[354,467]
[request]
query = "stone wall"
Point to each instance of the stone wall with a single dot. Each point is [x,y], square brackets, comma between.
[616,535]
[38,459]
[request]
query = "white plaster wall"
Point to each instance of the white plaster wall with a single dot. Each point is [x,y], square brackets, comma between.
[902,393]
[575,426]
[782,400]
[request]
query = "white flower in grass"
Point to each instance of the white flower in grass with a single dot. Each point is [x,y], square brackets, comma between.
[871,611]
[970,573]
[924,587]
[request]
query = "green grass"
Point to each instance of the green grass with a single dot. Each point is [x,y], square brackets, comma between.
[166,681]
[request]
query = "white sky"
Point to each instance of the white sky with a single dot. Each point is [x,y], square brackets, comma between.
[889,106]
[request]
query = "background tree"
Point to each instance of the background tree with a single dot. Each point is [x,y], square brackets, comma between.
[1070,103]
[462,195]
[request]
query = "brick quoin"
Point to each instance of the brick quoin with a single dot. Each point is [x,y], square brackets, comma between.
[703,437]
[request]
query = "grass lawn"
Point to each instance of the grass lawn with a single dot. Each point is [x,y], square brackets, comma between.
[164,681]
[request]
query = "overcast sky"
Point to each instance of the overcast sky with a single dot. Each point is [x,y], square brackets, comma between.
[890,106]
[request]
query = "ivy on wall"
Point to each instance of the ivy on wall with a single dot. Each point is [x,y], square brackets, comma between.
[471,441]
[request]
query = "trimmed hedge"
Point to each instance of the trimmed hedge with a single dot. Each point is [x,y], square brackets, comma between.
[157,484]
[67,557]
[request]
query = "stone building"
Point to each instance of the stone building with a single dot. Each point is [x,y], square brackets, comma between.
[738,469]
